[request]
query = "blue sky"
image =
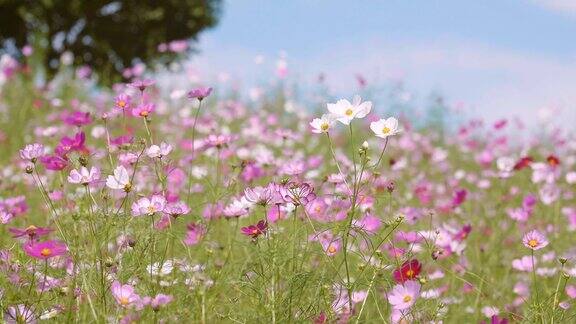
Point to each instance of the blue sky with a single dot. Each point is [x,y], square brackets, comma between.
[499,57]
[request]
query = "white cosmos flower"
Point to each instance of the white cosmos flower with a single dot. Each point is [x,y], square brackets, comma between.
[322,124]
[344,111]
[385,127]
[120,179]
[156,151]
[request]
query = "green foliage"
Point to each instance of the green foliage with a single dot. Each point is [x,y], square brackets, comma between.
[108,36]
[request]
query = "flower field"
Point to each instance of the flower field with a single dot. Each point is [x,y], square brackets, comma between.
[153,204]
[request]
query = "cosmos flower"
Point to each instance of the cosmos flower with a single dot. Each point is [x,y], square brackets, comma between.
[403,296]
[120,180]
[298,193]
[200,93]
[160,151]
[409,270]
[84,176]
[141,84]
[259,195]
[143,110]
[145,206]
[534,240]
[122,101]
[345,112]
[176,209]
[20,314]
[45,250]
[77,118]
[255,230]
[124,294]
[385,127]
[194,234]
[32,152]
[31,231]
[322,124]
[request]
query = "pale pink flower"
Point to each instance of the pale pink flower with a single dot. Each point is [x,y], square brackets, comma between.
[534,240]
[161,151]
[145,206]
[32,152]
[124,294]
[344,111]
[403,296]
[84,176]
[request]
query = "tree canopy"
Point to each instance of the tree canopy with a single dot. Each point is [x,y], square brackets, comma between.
[109,36]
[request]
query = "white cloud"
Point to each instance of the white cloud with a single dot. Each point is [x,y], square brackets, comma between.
[561,6]
[493,82]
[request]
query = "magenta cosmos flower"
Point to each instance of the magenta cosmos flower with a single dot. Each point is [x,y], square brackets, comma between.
[45,250]
[200,93]
[403,296]
[54,162]
[534,240]
[255,230]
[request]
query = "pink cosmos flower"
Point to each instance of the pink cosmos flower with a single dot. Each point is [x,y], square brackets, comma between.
[122,101]
[145,206]
[45,250]
[124,294]
[195,233]
[534,240]
[32,152]
[20,314]
[85,176]
[200,93]
[259,195]
[31,231]
[403,296]
[141,84]
[143,110]
[160,300]
[176,209]
[298,193]
[523,264]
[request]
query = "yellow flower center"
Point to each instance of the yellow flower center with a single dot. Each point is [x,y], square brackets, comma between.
[385,130]
[124,301]
[255,231]
[349,112]
[533,243]
[31,228]
[46,252]
[407,298]
[143,113]
[121,104]
[410,273]
[151,210]
[324,126]
[332,249]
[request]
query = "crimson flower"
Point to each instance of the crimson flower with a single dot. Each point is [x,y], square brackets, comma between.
[255,230]
[408,271]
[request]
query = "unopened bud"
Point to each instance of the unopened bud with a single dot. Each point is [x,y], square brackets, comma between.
[83,161]
[562,260]
[29,170]
[391,186]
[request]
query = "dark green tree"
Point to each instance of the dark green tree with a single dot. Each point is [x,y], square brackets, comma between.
[106,35]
